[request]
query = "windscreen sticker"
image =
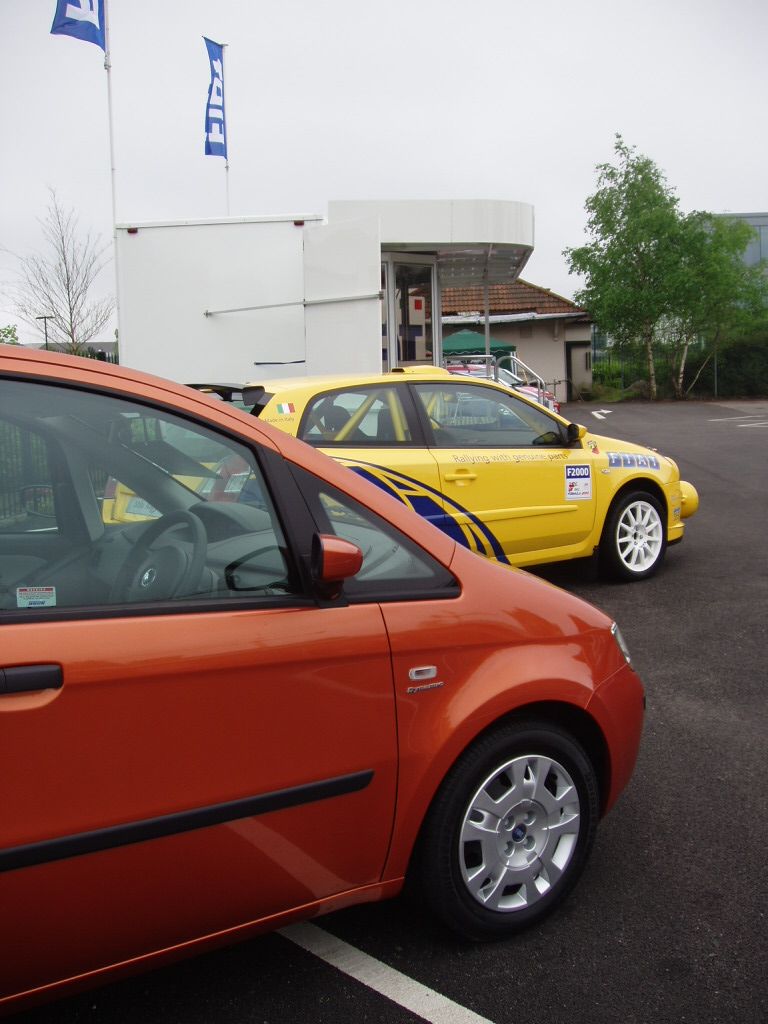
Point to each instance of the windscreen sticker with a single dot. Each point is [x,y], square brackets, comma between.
[627,460]
[578,483]
[35,597]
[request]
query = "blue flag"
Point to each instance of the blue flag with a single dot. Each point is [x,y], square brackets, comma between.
[215,130]
[83,19]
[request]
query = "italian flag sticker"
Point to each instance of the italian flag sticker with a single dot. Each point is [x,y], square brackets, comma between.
[284,408]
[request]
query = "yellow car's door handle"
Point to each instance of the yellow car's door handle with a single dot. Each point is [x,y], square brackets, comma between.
[462,476]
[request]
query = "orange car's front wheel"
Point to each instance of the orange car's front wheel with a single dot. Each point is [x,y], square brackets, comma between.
[510,830]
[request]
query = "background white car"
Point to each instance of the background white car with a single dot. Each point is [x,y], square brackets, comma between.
[510,379]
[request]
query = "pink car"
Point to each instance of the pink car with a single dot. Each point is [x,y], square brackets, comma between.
[511,380]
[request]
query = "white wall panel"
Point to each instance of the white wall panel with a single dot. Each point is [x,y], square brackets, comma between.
[170,274]
[341,261]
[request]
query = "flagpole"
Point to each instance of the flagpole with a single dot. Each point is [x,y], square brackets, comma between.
[226,158]
[108,69]
[91,24]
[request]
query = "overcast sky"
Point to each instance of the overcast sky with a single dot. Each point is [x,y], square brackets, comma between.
[411,99]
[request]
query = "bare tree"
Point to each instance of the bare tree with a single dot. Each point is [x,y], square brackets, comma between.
[59,282]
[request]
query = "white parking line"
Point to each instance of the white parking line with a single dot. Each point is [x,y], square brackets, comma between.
[736,416]
[760,423]
[385,980]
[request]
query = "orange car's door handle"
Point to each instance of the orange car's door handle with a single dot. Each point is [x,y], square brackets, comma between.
[462,475]
[24,678]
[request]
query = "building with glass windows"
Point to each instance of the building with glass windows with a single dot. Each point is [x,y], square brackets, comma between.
[757,249]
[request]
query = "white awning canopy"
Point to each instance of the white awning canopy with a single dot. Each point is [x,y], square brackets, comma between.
[473,241]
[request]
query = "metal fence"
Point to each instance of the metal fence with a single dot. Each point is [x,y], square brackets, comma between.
[24,475]
[25,480]
[622,368]
[101,355]
[628,369]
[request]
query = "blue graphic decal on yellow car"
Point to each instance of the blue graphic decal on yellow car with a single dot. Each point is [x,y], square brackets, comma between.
[450,517]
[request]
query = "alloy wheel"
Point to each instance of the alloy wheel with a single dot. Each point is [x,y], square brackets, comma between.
[519,833]
[639,536]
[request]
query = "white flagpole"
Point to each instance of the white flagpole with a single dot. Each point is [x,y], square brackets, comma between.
[226,126]
[108,69]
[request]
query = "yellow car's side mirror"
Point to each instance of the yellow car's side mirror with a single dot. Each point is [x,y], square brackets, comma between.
[575,432]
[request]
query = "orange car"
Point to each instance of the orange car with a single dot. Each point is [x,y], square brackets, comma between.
[239,713]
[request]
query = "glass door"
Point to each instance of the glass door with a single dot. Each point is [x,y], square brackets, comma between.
[411,325]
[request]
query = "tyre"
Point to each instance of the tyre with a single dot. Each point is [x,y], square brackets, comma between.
[509,831]
[634,537]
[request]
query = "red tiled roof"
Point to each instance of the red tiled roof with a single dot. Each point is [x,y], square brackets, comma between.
[518,297]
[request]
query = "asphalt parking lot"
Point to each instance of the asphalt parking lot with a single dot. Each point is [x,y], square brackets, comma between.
[669,921]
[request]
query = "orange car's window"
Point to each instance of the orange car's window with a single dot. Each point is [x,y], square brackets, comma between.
[359,416]
[106,502]
[473,416]
[394,567]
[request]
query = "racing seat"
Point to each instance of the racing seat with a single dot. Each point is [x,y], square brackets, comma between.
[334,418]
[385,428]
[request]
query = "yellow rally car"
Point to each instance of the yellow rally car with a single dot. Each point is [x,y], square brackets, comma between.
[497,472]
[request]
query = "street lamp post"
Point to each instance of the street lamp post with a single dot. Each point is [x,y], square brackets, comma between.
[45,318]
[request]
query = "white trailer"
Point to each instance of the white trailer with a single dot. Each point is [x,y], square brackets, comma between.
[231,300]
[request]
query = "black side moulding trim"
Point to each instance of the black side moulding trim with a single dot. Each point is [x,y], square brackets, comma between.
[80,843]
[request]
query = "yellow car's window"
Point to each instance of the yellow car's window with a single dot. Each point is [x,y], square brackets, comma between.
[360,416]
[472,416]
[193,458]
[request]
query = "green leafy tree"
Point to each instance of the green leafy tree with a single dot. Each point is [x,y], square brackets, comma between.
[743,370]
[715,295]
[627,264]
[660,279]
[60,282]
[9,335]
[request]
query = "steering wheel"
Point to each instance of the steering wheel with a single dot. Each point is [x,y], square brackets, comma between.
[158,567]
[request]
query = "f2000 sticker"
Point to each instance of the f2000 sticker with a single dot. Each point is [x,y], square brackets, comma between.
[578,483]
[627,460]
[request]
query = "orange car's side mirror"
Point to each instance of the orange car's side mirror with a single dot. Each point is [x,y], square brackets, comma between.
[333,561]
